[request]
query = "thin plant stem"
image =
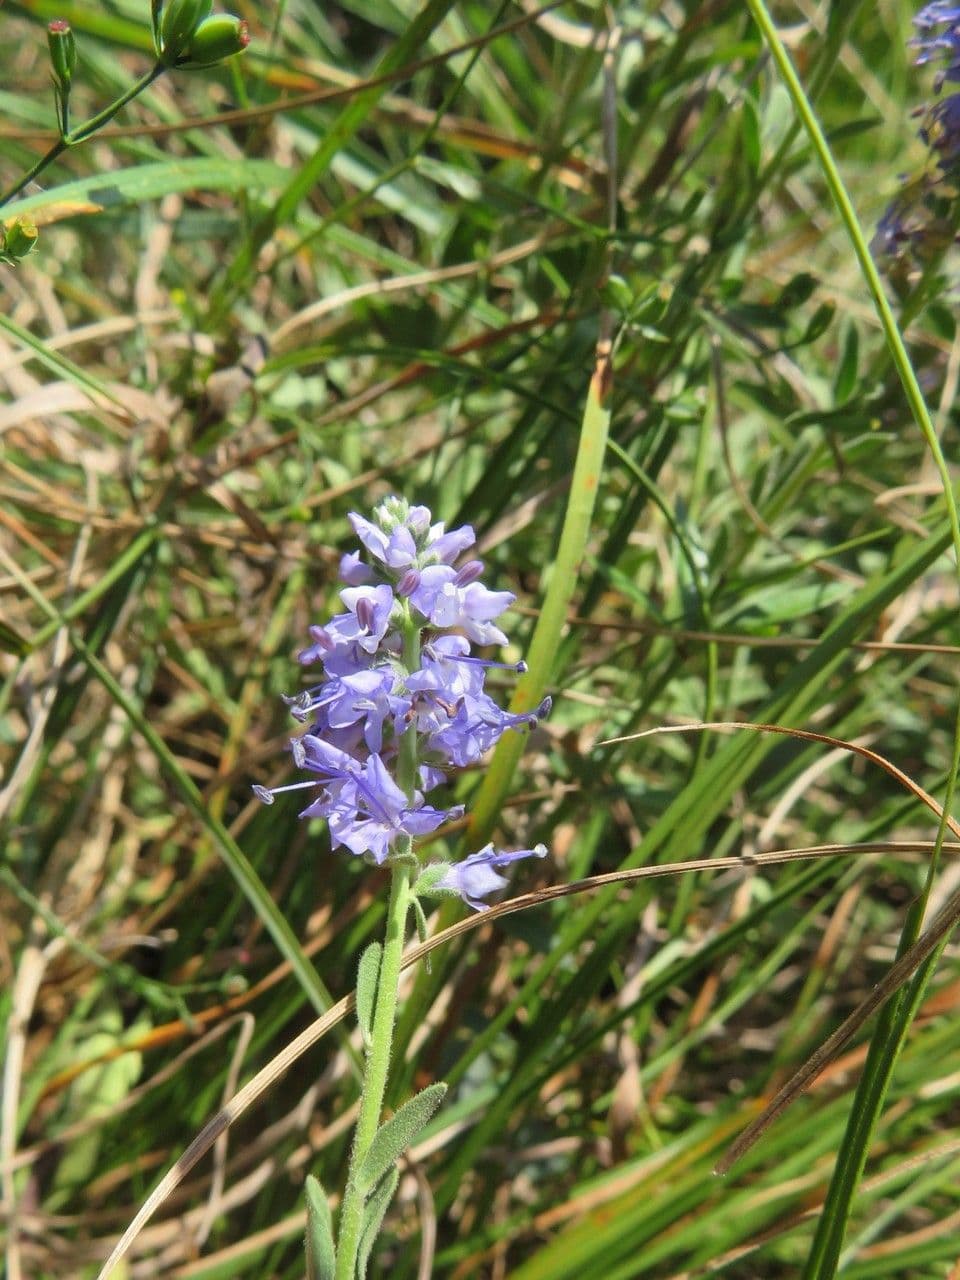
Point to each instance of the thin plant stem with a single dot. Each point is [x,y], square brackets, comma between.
[378,1065]
[103,117]
[83,131]
[824,1256]
[871,275]
[46,159]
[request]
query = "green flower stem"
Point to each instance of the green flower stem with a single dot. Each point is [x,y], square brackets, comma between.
[378,1064]
[83,131]
[47,159]
[103,117]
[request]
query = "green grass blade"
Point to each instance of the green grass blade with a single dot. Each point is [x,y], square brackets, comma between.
[561,586]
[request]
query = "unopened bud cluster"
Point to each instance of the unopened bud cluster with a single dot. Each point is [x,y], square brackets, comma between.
[189,35]
[400,684]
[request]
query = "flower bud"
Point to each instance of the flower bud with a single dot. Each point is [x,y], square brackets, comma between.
[217,37]
[63,52]
[470,572]
[17,238]
[408,583]
[178,23]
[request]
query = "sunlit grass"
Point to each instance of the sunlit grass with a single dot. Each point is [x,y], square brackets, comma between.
[421,239]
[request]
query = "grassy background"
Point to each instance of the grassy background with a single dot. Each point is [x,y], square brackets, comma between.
[411,210]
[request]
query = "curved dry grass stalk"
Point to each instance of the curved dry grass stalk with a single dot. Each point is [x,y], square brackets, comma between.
[311,1035]
[940,927]
[888,1177]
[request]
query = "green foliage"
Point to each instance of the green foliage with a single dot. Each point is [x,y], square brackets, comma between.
[368,971]
[396,1134]
[374,1212]
[373,255]
[321,1256]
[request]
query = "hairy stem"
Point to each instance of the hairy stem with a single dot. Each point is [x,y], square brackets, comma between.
[378,1065]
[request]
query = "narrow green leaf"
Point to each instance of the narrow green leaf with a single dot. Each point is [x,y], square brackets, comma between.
[796,291]
[750,134]
[818,324]
[561,585]
[373,1214]
[12,642]
[396,1135]
[151,181]
[367,974]
[321,1255]
[846,378]
[56,362]
[421,919]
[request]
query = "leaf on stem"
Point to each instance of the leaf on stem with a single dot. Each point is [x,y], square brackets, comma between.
[421,920]
[373,1215]
[367,974]
[395,1136]
[321,1256]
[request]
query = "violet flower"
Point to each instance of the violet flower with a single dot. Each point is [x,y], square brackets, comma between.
[474,877]
[373,708]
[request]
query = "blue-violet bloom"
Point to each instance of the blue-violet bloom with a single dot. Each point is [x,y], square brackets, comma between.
[400,683]
[474,877]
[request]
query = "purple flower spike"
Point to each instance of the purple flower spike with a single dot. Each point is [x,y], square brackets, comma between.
[474,877]
[376,705]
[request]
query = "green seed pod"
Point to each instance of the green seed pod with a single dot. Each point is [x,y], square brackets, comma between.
[63,52]
[179,22]
[17,238]
[216,38]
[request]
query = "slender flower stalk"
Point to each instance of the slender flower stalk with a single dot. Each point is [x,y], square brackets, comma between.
[186,36]
[401,703]
[377,1069]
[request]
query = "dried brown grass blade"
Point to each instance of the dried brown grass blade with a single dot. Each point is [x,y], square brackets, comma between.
[274,1070]
[897,975]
